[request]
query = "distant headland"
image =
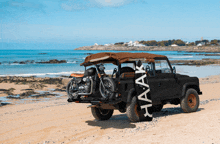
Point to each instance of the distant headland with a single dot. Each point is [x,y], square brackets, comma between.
[168,45]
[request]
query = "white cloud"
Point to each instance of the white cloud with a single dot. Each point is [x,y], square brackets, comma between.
[74,5]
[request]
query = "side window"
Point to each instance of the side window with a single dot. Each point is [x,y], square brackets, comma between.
[131,65]
[161,66]
[148,68]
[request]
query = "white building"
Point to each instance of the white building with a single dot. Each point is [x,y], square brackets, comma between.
[136,43]
[130,43]
[95,44]
[174,45]
[201,44]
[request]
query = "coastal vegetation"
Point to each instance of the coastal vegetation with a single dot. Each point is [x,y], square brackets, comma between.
[177,42]
[180,42]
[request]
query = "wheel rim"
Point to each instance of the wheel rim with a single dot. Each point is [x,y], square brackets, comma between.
[191,101]
[137,112]
[104,111]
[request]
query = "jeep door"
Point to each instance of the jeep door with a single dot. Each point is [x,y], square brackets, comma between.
[163,84]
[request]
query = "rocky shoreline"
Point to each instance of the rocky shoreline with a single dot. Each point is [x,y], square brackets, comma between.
[53,61]
[196,62]
[152,48]
[19,88]
[31,79]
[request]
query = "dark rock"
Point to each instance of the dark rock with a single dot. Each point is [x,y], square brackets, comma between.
[22,62]
[53,61]
[196,62]
[13,97]
[27,93]
[26,89]
[8,91]
[4,103]
[42,53]
[61,90]
[88,53]
[209,54]
[37,85]
[30,80]
[45,94]
[3,90]
[212,54]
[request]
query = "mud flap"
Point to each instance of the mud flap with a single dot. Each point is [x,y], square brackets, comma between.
[143,92]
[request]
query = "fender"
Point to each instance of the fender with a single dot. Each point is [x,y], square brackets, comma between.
[191,85]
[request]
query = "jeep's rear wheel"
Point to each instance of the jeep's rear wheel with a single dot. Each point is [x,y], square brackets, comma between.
[190,102]
[101,114]
[133,111]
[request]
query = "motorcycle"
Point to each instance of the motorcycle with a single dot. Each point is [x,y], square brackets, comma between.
[94,84]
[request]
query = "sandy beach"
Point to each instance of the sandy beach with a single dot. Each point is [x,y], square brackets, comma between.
[54,120]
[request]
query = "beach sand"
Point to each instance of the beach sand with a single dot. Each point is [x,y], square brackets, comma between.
[57,121]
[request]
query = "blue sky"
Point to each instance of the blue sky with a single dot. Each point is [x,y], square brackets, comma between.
[107,21]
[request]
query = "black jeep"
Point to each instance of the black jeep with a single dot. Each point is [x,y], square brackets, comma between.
[140,85]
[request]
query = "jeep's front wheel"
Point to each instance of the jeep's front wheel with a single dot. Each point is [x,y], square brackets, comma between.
[190,102]
[133,111]
[101,114]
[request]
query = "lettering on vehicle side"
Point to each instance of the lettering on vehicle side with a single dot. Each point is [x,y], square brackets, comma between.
[143,90]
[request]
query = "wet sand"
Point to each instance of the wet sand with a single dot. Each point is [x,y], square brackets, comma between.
[57,121]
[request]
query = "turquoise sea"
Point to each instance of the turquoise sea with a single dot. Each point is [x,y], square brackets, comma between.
[10,60]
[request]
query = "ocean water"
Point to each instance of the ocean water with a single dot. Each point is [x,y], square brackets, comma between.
[10,59]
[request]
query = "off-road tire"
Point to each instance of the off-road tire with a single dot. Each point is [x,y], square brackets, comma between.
[109,86]
[190,102]
[157,108]
[101,114]
[133,111]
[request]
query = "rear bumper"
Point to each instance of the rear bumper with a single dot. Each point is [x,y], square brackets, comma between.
[94,101]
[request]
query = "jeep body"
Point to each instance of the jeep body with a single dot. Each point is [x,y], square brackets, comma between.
[165,85]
